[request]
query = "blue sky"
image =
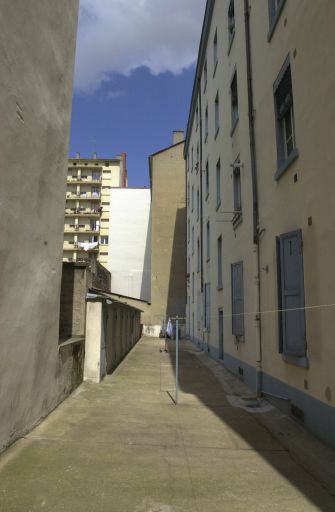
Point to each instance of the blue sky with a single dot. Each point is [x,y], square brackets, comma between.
[133,78]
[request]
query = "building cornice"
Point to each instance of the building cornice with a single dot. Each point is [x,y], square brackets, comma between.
[200,62]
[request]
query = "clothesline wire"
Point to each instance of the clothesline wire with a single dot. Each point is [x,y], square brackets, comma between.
[265,312]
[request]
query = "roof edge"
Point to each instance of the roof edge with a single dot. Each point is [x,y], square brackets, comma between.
[201,57]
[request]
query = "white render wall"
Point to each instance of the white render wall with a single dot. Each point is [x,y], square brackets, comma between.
[129,259]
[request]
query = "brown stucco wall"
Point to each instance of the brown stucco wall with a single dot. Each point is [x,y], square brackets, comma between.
[168,256]
[37,47]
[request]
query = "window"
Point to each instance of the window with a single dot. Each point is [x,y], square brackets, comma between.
[207,308]
[215,50]
[93,239]
[291,296]
[275,9]
[192,198]
[217,114]
[237,195]
[231,21]
[192,239]
[205,74]
[198,255]
[95,192]
[218,184]
[237,299]
[104,240]
[286,144]
[95,176]
[94,225]
[234,101]
[207,179]
[208,234]
[206,123]
[219,262]
[198,204]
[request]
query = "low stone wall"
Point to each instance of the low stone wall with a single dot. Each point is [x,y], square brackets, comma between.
[70,366]
[123,332]
[112,329]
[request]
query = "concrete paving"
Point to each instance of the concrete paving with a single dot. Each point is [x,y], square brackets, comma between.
[124,446]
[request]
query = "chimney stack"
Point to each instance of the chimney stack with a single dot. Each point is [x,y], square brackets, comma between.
[178,136]
[95,155]
[78,155]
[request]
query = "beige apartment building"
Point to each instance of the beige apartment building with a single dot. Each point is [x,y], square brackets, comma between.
[260,164]
[87,208]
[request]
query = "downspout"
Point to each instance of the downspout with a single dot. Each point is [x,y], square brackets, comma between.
[256,262]
[201,214]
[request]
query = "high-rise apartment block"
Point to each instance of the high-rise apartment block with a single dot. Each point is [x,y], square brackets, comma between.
[260,215]
[87,208]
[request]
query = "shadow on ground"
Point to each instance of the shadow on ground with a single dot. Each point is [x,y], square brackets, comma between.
[244,431]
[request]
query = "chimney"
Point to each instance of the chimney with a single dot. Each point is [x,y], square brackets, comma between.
[124,177]
[78,155]
[95,155]
[178,136]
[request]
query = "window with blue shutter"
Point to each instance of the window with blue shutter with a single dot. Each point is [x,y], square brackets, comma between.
[237,299]
[208,306]
[291,294]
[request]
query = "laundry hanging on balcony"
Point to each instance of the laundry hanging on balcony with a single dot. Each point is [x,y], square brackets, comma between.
[87,245]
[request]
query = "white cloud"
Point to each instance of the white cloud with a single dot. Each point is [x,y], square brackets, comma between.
[118,36]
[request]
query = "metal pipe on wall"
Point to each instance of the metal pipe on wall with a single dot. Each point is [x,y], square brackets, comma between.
[256,262]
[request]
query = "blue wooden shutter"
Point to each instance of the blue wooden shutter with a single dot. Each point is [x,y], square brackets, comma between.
[208,306]
[237,299]
[293,323]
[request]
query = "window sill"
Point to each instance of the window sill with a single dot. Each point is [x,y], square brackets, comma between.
[288,162]
[218,205]
[231,40]
[234,126]
[216,133]
[301,361]
[275,20]
[219,287]
[215,66]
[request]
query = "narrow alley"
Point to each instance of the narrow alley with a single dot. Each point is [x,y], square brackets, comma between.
[124,446]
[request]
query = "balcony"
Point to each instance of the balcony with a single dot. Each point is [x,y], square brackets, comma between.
[83,212]
[84,230]
[84,181]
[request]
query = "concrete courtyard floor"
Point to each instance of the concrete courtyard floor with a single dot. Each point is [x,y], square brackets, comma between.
[124,446]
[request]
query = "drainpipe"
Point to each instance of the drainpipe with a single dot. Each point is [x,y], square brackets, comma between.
[256,262]
[201,210]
